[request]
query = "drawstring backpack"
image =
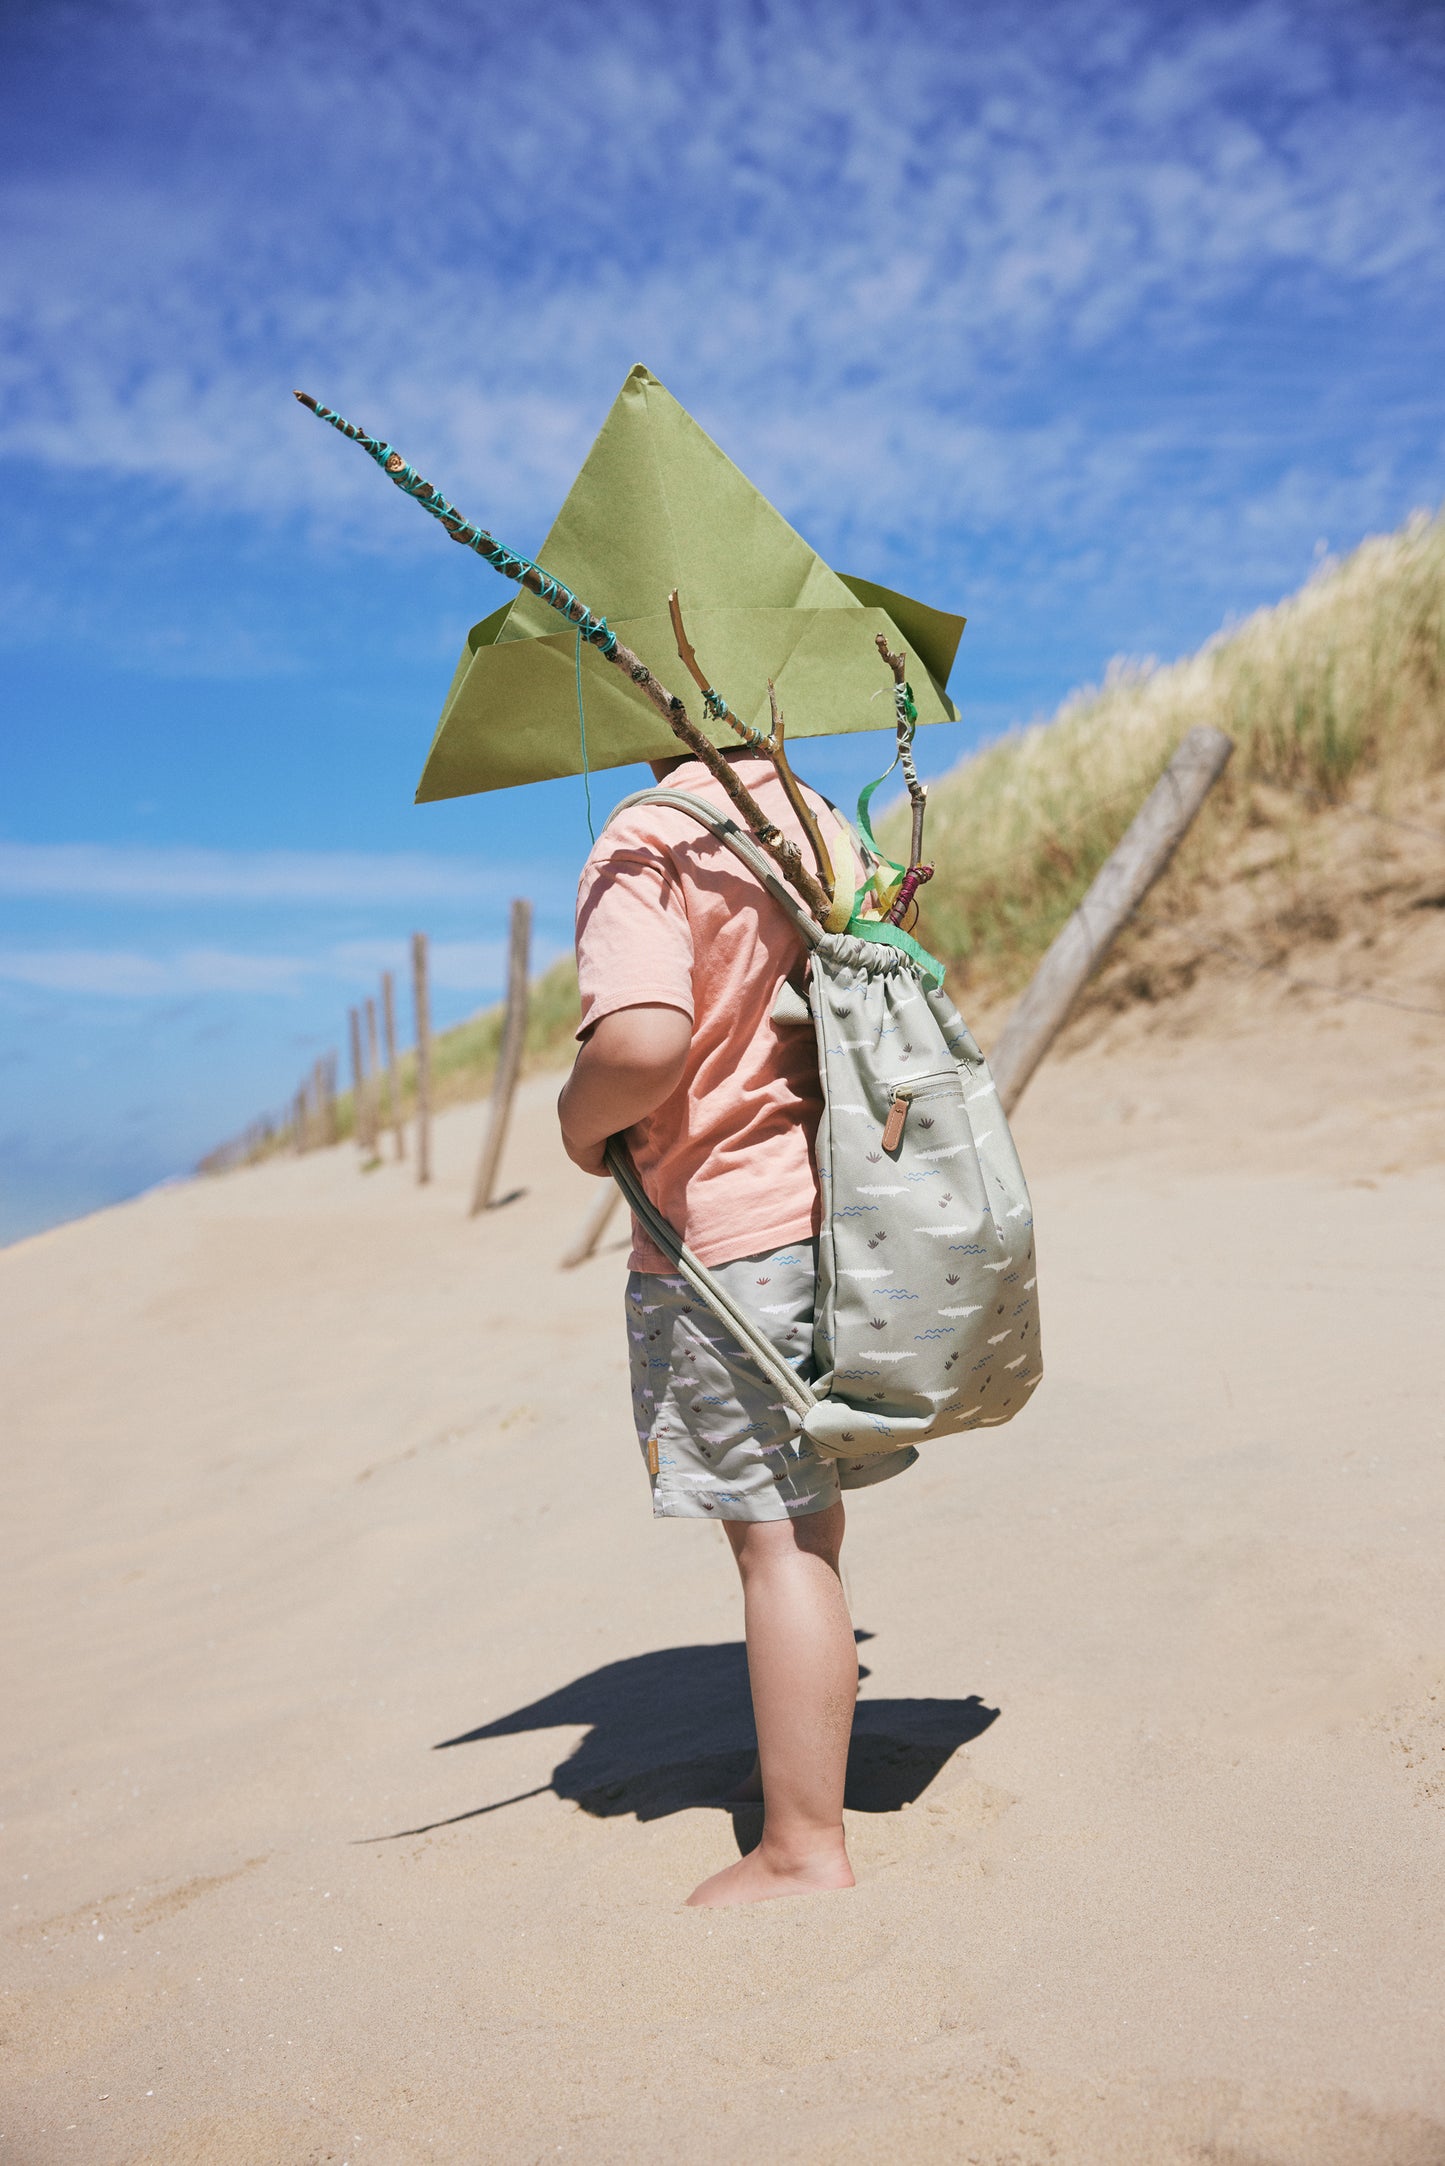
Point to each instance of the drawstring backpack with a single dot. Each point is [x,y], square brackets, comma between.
[927,1317]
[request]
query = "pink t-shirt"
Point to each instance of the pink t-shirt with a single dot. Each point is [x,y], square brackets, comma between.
[667,915]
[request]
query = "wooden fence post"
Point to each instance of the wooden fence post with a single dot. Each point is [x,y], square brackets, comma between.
[328,1090]
[1154,834]
[509,1057]
[320,1121]
[598,1219]
[393,1080]
[373,1081]
[422,1000]
[358,1105]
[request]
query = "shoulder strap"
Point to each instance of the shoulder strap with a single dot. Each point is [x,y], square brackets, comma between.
[742,845]
[785,1381]
[790,1387]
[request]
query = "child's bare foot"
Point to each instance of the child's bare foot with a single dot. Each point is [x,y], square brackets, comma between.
[765,1873]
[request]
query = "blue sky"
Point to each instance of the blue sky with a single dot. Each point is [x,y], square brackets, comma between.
[1095,322]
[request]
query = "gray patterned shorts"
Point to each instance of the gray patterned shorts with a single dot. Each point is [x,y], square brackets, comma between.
[716,1443]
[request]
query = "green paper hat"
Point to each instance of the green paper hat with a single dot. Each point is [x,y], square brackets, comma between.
[658,506]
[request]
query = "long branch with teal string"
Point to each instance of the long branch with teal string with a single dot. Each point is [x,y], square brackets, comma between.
[596,632]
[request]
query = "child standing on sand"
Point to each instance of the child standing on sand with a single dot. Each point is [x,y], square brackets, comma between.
[680,957]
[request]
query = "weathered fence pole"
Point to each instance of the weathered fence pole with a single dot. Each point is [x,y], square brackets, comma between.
[509,1057]
[393,1080]
[422,1001]
[598,1219]
[298,1122]
[1154,834]
[320,1117]
[373,1081]
[328,1090]
[358,1104]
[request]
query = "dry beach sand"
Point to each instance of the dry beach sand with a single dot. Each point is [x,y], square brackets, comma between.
[306,1475]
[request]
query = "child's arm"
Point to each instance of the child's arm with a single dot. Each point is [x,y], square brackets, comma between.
[631,1061]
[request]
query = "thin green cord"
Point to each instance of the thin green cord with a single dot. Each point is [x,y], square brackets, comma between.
[582,733]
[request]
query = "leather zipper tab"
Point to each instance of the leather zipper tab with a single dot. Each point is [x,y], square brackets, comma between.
[893,1126]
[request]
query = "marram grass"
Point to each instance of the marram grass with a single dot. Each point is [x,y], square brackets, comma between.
[1339,688]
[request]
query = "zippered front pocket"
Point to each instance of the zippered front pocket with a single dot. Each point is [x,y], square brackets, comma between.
[907,1093]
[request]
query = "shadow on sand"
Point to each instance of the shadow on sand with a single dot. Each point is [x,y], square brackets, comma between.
[673,1730]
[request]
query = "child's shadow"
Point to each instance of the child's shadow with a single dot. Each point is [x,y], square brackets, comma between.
[672,1730]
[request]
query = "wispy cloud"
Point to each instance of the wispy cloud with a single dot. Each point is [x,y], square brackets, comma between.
[1090,319]
[123,974]
[128,974]
[456,966]
[873,231]
[182,876]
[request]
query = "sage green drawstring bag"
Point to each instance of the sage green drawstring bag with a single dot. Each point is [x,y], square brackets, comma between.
[927,1319]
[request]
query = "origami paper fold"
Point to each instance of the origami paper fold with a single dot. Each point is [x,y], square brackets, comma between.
[657,505]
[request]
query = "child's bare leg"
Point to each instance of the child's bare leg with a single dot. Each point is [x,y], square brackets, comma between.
[803,1667]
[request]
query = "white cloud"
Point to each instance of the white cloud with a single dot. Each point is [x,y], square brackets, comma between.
[809,219]
[180,876]
[121,974]
[477,967]
[456,966]
[470,966]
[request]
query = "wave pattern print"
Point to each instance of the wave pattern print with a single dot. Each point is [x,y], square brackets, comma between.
[972,1361]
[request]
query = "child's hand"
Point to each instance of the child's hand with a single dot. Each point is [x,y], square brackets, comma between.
[631,1062]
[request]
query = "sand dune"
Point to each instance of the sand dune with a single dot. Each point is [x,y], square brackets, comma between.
[306,1476]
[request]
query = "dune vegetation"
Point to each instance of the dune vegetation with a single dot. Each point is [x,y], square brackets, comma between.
[1337,692]
[464,1058]
[1334,697]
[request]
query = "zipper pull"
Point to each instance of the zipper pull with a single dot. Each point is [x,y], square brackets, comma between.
[897,1115]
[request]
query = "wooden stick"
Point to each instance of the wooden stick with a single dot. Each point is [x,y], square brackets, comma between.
[917,791]
[687,655]
[915,841]
[358,1105]
[595,630]
[793,790]
[422,1001]
[509,1058]
[298,1121]
[1154,834]
[596,1225]
[393,1081]
[770,747]
[785,855]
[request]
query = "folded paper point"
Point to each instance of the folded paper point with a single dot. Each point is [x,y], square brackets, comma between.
[657,507]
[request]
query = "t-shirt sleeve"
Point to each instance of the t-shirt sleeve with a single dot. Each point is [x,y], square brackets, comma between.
[634,939]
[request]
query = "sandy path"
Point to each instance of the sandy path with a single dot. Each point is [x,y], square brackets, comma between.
[306,1474]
